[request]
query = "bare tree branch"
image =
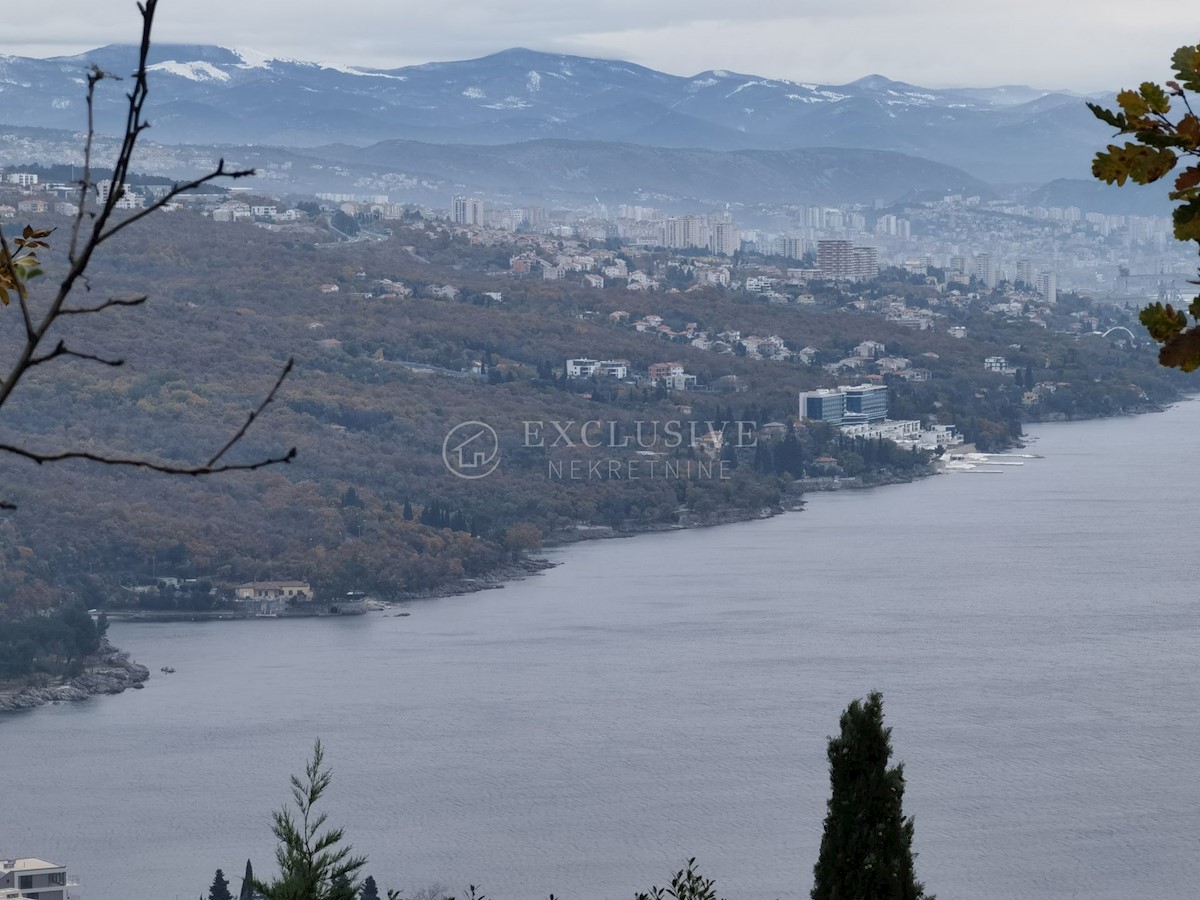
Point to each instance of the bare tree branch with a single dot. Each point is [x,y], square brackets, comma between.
[175,191]
[19,264]
[150,465]
[113,301]
[241,433]
[63,350]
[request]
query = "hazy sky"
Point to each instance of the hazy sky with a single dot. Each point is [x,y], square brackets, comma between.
[1079,44]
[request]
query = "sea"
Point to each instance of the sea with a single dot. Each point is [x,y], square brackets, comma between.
[1034,631]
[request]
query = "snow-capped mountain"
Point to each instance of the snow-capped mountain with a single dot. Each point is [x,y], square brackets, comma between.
[205,94]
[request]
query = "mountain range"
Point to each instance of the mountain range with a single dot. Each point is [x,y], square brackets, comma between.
[206,94]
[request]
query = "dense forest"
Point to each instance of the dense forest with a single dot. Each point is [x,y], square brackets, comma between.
[381,377]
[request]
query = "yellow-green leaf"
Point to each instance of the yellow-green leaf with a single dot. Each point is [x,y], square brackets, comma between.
[1186,62]
[1133,161]
[1133,103]
[1189,131]
[1155,97]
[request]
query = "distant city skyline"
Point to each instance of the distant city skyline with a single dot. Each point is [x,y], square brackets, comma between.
[1081,45]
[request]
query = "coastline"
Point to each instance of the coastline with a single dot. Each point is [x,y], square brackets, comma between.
[110,671]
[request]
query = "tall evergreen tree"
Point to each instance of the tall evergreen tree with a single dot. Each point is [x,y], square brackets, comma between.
[248,892]
[369,891]
[866,850]
[220,888]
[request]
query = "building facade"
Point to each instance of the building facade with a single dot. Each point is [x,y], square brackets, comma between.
[34,879]
[466,211]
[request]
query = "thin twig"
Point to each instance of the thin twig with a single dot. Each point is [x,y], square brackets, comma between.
[115,301]
[253,414]
[150,465]
[63,350]
[175,191]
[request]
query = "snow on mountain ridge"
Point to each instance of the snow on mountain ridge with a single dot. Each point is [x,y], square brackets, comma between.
[193,71]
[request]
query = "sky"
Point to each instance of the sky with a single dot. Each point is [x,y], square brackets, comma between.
[1083,45]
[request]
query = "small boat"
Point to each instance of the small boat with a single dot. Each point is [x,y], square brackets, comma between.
[167,669]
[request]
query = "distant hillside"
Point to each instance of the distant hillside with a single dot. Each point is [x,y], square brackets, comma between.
[1093,196]
[216,95]
[582,169]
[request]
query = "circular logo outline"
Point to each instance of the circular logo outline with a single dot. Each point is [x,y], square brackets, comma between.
[488,463]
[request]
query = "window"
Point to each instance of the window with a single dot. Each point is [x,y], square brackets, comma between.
[58,878]
[24,881]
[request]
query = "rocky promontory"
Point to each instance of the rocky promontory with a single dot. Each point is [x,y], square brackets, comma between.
[110,671]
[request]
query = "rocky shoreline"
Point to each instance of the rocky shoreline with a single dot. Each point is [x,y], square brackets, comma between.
[110,671]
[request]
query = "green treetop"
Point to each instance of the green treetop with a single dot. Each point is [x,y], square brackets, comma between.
[866,851]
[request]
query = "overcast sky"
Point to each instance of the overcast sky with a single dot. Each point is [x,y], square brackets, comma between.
[1079,44]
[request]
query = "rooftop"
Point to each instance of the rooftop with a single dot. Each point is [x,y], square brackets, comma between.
[27,864]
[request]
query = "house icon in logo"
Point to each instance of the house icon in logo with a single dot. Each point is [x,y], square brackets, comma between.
[471,450]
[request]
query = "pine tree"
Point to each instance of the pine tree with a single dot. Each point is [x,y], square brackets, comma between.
[370,891]
[408,510]
[314,862]
[220,888]
[866,850]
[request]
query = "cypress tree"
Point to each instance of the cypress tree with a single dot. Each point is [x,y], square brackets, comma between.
[248,892]
[866,850]
[369,889]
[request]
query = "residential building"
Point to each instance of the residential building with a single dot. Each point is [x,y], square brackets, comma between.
[34,878]
[683,232]
[466,211]
[1047,286]
[263,590]
[661,371]
[985,270]
[723,238]
[842,261]
[586,368]
[22,179]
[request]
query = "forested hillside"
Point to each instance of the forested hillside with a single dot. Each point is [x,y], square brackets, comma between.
[381,377]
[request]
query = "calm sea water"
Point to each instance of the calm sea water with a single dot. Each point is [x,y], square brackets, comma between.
[1035,635]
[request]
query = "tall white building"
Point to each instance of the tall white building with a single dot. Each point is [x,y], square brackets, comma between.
[723,238]
[985,270]
[1047,286]
[1025,272]
[466,211]
[684,232]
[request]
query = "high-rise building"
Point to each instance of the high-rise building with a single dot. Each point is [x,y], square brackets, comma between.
[466,211]
[842,261]
[1047,286]
[723,238]
[985,271]
[684,232]
[1025,272]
